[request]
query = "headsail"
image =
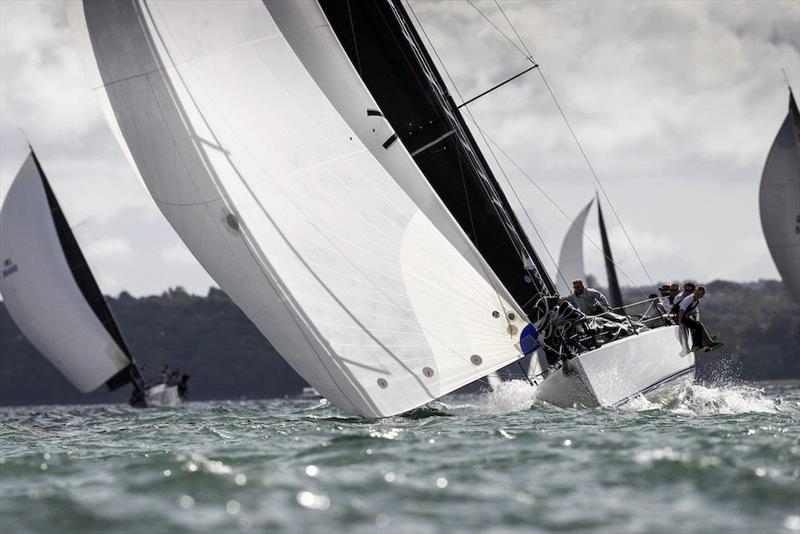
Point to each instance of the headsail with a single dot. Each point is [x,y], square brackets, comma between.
[614,293]
[258,142]
[50,292]
[779,199]
[570,259]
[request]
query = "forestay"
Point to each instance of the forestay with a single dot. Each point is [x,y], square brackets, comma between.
[780,200]
[49,291]
[570,259]
[350,266]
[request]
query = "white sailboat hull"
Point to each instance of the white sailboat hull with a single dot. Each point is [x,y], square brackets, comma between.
[162,395]
[656,365]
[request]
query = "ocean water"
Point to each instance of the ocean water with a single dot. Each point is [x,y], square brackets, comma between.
[725,459]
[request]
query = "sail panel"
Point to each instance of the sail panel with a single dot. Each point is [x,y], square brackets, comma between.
[286,206]
[42,294]
[570,259]
[779,199]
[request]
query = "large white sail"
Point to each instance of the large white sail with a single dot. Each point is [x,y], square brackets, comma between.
[780,200]
[41,290]
[261,146]
[570,259]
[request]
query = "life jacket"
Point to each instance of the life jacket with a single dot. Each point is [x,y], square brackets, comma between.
[691,308]
[676,302]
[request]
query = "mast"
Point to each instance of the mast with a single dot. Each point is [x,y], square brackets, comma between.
[389,54]
[615,295]
[87,284]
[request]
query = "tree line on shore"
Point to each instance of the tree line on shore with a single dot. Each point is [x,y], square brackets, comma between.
[209,337]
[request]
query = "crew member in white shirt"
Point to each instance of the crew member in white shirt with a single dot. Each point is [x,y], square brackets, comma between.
[687,307]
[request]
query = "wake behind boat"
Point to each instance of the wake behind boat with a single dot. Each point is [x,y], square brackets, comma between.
[52,295]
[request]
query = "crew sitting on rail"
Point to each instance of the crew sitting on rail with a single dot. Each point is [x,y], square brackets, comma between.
[674,289]
[688,289]
[686,308]
[668,295]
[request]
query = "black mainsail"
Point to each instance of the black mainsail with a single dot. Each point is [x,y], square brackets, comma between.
[386,49]
[614,293]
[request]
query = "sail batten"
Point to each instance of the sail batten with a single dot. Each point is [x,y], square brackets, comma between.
[250,126]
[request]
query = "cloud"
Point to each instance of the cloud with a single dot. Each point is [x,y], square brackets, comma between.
[177,254]
[676,104]
[110,246]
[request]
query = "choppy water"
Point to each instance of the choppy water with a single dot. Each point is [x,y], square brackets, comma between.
[727,459]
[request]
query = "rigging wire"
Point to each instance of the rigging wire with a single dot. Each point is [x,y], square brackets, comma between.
[553,202]
[529,56]
[479,258]
[527,50]
[516,195]
[355,43]
[472,118]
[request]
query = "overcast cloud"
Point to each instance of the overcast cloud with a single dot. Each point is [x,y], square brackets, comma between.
[676,104]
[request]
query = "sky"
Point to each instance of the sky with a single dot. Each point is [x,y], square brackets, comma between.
[675,104]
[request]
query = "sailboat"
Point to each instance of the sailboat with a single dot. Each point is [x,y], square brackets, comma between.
[570,259]
[310,157]
[779,199]
[53,298]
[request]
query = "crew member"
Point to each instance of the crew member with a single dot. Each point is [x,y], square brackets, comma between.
[588,300]
[688,289]
[686,309]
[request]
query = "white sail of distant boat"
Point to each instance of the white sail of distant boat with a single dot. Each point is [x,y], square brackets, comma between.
[310,156]
[51,294]
[570,259]
[779,200]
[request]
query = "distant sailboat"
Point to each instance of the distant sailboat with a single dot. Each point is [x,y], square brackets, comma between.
[570,259]
[779,199]
[311,158]
[52,296]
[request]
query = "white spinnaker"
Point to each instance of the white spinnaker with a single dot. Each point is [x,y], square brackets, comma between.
[285,204]
[570,259]
[40,292]
[779,200]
